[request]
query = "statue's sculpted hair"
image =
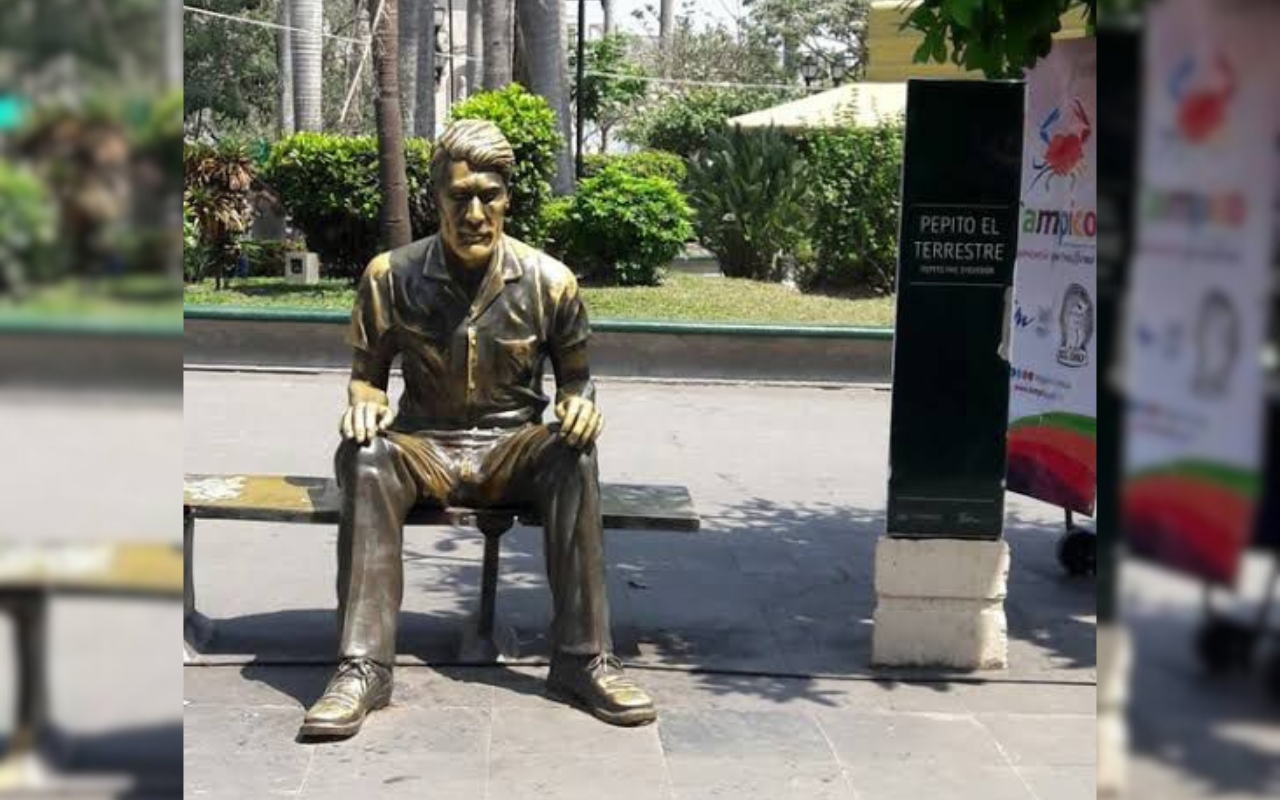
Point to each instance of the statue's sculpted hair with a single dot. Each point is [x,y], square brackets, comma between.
[478,142]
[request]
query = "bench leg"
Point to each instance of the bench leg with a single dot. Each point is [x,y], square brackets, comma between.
[197,629]
[29,611]
[22,766]
[481,643]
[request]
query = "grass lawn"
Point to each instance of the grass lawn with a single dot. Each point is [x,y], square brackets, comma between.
[143,299]
[681,298]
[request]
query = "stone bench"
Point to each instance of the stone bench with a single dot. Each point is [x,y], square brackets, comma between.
[302,499]
[30,576]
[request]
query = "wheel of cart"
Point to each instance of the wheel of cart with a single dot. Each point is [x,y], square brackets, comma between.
[1078,549]
[1225,644]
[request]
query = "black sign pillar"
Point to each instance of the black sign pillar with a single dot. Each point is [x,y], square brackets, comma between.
[961,184]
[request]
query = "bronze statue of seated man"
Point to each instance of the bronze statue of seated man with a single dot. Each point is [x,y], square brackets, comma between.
[473,315]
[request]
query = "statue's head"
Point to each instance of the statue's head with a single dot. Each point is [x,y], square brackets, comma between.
[471,170]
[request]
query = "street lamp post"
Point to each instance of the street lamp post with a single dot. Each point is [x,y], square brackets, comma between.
[809,69]
[582,68]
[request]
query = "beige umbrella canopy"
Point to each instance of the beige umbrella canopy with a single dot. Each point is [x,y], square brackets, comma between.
[854,104]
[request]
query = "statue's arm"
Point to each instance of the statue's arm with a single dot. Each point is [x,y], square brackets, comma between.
[580,420]
[373,350]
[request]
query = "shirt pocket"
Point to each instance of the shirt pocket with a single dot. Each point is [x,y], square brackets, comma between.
[514,359]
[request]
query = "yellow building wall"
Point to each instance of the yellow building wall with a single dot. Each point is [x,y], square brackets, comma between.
[891,49]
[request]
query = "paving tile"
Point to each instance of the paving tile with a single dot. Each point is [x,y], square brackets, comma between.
[881,739]
[937,782]
[236,752]
[1062,783]
[562,731]
[1028,698]
[736,778]
[514,777]
[406,752]
[285,686]
[731,733]
[1040,740]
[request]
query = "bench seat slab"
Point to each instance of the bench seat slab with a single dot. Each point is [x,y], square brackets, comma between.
[299,498]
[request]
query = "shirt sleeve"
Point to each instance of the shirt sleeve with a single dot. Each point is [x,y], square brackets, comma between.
[567,343]
[372,315]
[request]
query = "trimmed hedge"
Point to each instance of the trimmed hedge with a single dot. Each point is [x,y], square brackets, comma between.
[329,184]
[856,176]
[620,228]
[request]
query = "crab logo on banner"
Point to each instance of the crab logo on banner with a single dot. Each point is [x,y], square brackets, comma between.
[1201,92]
[1064,145]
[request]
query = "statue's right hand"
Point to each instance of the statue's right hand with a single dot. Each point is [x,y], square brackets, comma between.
[364,420]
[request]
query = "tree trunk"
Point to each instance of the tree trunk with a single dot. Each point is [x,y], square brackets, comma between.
[411,38]
[542,26]
[475,45]
[308,55]
[424,114]
[666,30]
[396,231]
[173,43]
[607,8]
[284,65]
[499,36]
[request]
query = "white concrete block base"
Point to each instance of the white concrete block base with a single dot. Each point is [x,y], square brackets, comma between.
[1114,663]
[940,603]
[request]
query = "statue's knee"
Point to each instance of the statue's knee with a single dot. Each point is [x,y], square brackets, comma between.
[373,457]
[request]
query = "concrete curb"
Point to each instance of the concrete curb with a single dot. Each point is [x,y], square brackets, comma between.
[299,338]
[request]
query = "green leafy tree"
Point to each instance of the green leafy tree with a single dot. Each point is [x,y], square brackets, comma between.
[684,123]
[229,70]
[832,31]
[530,126]
[999,37]
[607,99]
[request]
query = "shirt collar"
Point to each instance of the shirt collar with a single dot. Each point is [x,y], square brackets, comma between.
[505,254]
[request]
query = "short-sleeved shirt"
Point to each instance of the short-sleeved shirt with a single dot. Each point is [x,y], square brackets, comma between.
[473,363]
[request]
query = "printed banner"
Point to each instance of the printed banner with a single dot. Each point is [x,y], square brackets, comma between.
[1200,285]
[1053,353]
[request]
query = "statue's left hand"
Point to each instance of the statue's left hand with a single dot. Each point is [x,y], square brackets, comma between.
[580,422]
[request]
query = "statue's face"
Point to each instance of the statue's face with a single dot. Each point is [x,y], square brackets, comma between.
[473,207]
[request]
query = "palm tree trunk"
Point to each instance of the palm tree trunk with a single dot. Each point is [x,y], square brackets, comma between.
[499,40]
[424,115]
[284,65]
[396,230]
[308,56]
[666,30]
[475,44]
[542,26]
[607,8]
[410,31]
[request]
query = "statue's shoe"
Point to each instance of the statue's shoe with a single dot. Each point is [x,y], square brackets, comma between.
[359,687]
[599,685]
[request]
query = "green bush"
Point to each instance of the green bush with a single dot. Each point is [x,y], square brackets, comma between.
[329,184]
[750,190]
[530,125]
[557,226]
[856,196]
[622,229]
[27,229]
[642,164]
[683,124]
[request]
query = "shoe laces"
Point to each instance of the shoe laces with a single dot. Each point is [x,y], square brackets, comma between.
[359,670]
[605,665]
